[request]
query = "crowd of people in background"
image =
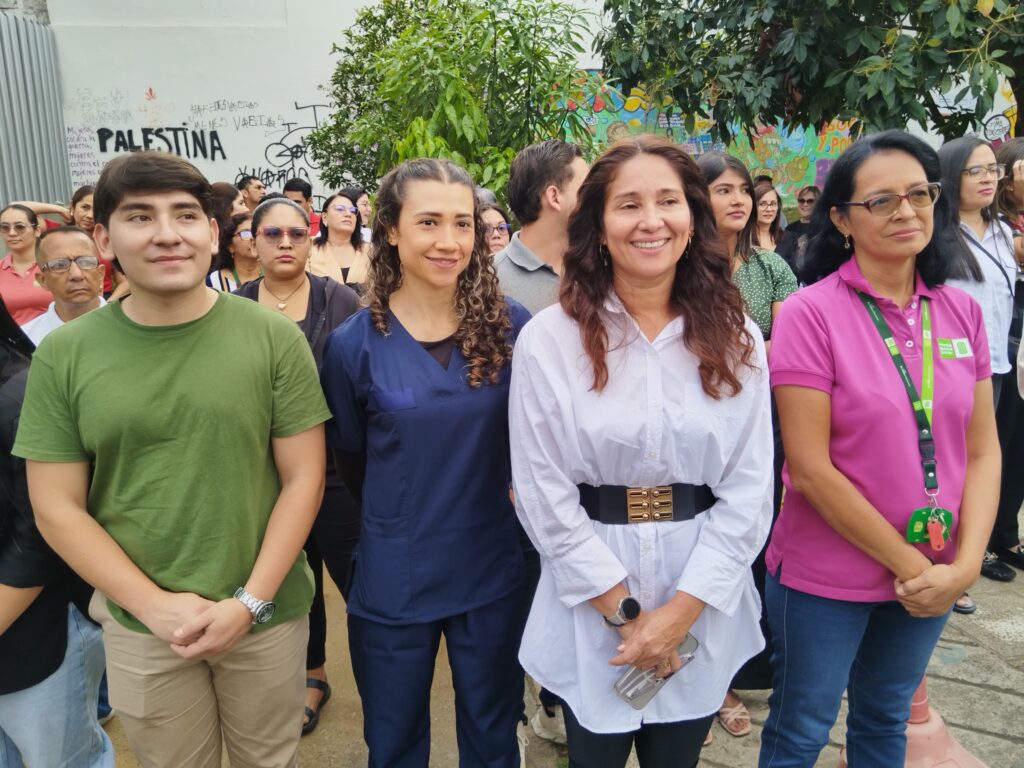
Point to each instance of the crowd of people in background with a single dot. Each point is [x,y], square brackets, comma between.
[627,440]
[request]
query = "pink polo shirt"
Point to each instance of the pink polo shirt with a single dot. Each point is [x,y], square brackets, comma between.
[24,298]
[824,339]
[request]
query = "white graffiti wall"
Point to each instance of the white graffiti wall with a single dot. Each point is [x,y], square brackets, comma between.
[232,85]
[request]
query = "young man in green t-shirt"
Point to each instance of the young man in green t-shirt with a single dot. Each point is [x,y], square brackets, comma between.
[175,456]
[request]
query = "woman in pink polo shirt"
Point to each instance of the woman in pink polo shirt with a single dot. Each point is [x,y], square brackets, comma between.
[892,461]
[24,297]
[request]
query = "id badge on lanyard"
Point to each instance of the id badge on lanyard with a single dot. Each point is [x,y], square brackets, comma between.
[929,523]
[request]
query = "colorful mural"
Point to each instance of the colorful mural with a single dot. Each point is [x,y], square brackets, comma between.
[793,158]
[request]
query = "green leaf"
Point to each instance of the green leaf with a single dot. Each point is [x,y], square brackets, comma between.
[953,17]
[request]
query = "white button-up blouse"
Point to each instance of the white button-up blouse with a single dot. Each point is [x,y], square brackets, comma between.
[651,425]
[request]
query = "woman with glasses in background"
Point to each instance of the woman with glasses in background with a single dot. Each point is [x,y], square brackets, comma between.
[985,267]
[497,230]
[235,263]
[340,251]
[892,461]
[24,297]
[768,208]
[318,305]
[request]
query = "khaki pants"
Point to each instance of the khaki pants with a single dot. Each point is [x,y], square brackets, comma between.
[175,711]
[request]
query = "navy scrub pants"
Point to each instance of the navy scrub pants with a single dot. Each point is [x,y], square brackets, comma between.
[394,669]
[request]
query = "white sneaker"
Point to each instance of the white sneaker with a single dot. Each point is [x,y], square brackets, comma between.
[550,727]
[523,737]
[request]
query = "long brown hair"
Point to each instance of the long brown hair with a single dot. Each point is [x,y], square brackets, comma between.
[702,292]
[484,324]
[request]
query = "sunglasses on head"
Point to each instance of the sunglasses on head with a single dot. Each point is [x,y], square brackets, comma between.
[274,235]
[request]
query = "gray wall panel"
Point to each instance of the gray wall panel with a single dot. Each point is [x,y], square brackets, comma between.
[33,148]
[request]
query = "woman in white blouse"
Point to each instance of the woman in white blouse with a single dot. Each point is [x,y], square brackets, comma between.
[645,385]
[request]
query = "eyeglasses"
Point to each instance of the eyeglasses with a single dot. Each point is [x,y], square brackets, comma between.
[18,227]
[245,234]
[490,229]
[923,196]
[64,265]
[807,200]
[767,206]
[996,169]
[274,235]
[346,208]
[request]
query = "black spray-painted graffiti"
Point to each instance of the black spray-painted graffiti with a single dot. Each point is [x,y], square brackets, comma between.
[287,155]
[184,141]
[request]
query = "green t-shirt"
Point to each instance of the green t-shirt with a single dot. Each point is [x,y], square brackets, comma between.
[177,423]
[763,279]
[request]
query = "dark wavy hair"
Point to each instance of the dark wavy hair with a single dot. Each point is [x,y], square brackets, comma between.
[484,326]
[357,234]
[714,164]
[703,292]
[826,250]
[224,259]
[775,228]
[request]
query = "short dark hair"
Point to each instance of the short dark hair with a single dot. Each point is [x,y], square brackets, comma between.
[714,164]
[150,171]
[533,170]
[270,202]
[62,229]
[244,181]
[764,178]
[810,188]
[299,185]
[826,251]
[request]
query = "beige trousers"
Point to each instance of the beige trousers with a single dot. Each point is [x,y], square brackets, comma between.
[180,713]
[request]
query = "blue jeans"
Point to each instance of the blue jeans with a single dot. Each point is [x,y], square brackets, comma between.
[876,651]
[54,722]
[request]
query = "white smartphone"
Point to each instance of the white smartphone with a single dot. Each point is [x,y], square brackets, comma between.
[639,686]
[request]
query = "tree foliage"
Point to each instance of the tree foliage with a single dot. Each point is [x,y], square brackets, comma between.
[887,62]
[471,80]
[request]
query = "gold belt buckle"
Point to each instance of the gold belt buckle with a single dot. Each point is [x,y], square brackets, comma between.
[649,504]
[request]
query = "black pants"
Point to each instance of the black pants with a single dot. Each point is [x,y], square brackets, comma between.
[1010,422]
[658,745]
[332,541]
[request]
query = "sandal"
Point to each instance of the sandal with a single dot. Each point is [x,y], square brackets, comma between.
[735,720]
[314,714]
[965,605]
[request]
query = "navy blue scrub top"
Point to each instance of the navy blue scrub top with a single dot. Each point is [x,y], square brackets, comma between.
[439,534]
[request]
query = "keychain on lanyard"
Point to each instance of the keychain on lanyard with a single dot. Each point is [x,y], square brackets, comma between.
[930,523]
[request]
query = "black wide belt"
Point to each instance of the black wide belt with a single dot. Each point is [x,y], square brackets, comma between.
[621,505]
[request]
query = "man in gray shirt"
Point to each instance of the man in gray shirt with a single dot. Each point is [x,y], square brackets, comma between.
[542,187]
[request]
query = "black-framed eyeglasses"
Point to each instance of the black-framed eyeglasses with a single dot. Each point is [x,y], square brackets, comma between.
[995,169]
[921,196]
[274,235]
[346,208]
[490,229]
[63,265]
[17,227]
[767,206]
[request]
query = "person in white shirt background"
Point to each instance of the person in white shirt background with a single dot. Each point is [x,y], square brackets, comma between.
[646,375]
[70,269]
[986,269]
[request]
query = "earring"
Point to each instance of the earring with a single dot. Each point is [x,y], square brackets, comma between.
[846,242]
[605,255]
[689,242]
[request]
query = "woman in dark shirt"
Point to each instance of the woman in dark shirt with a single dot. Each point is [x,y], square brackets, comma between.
[318,305]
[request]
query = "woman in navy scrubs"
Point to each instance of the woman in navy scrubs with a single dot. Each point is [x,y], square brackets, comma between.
[418,385]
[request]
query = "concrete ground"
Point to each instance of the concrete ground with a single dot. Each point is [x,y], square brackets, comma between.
[975,679]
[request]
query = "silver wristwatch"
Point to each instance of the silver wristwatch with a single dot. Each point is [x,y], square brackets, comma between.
[262,610]
[629,609]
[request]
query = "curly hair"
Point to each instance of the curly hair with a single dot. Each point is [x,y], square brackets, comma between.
[484,325]
[703,293]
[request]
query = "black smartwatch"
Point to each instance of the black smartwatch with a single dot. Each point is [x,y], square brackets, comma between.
[629,609]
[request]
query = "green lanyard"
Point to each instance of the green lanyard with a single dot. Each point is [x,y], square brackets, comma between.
[922,405]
